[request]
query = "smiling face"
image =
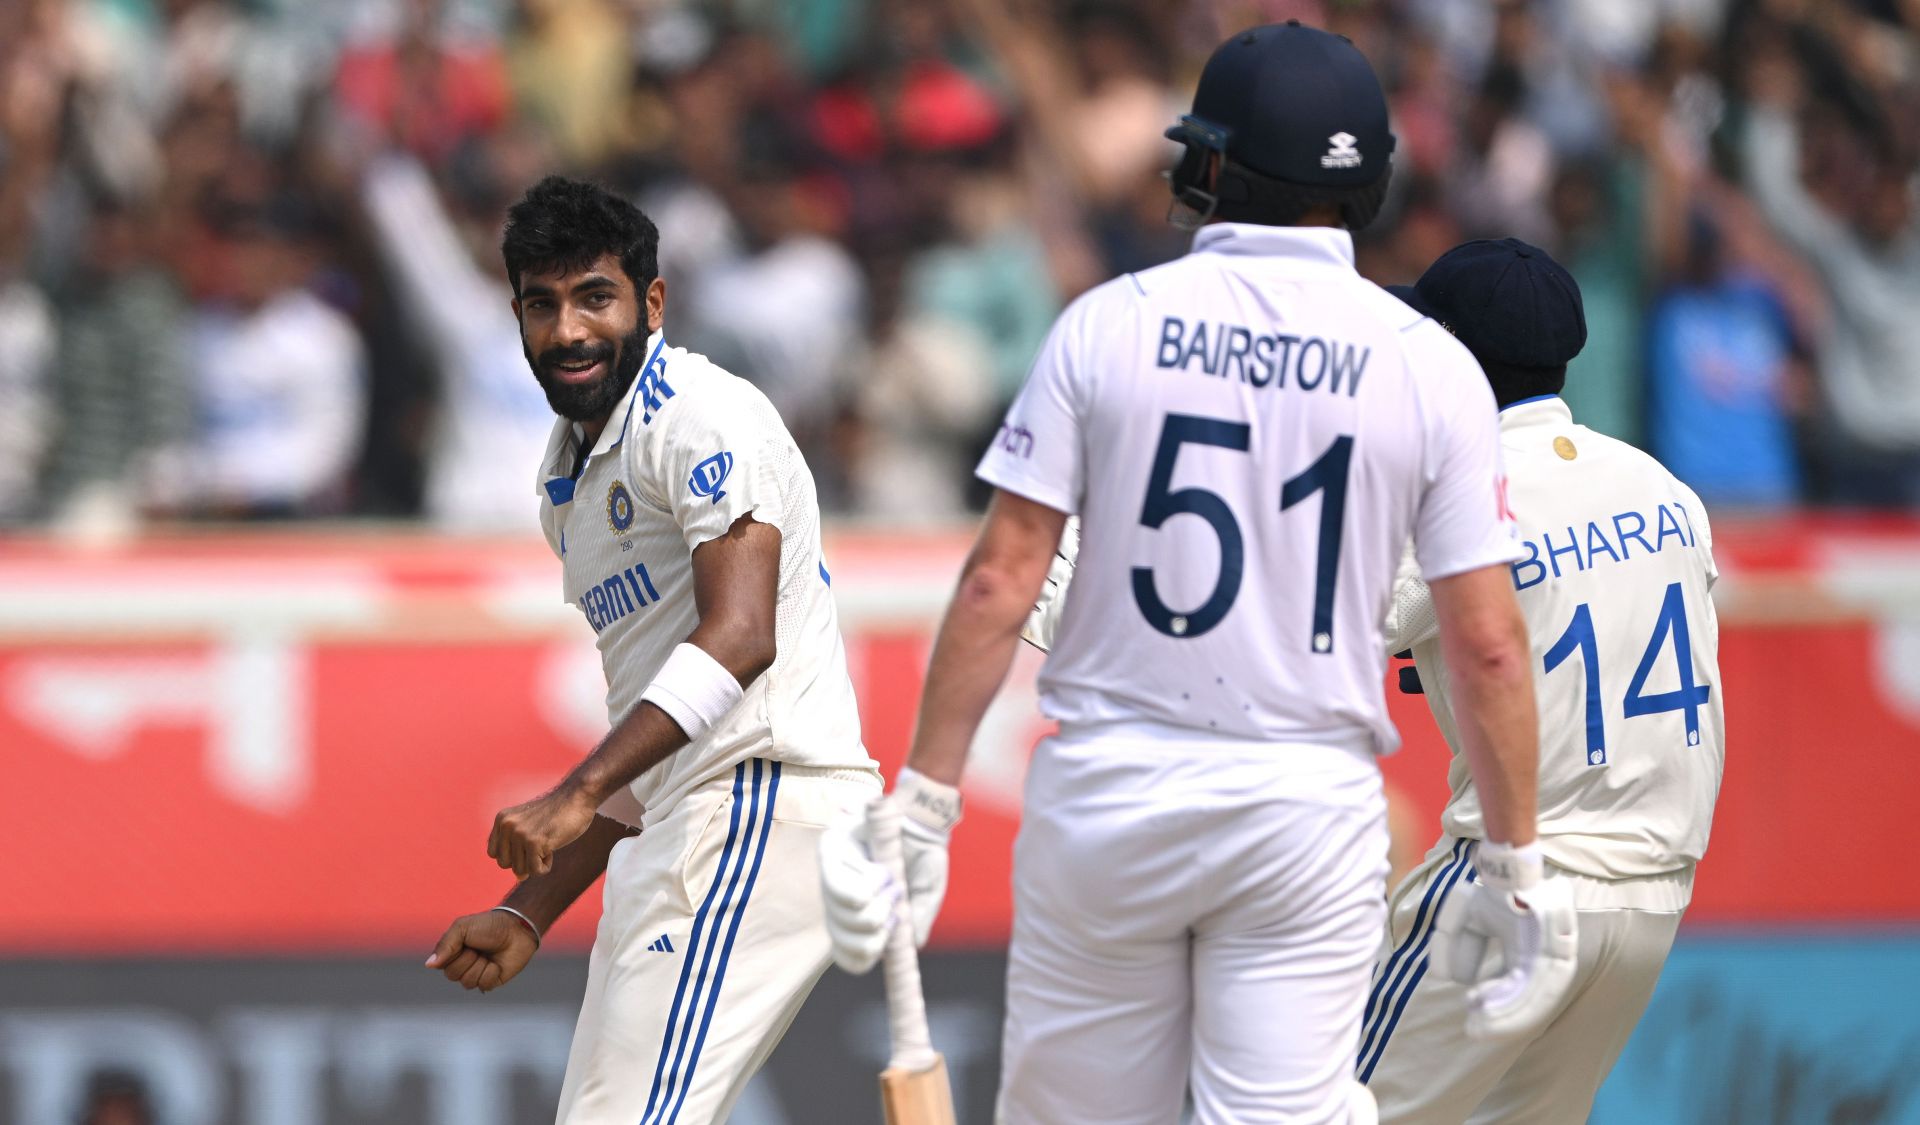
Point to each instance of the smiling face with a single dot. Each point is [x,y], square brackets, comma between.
[585,335]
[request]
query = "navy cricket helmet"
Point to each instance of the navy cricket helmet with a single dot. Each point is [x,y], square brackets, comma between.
[1297,118]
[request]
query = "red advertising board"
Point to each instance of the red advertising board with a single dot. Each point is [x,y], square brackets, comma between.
[297,744]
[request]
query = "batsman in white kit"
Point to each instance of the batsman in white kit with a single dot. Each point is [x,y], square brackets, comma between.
[1249,435]
[688,532]
[1614,582]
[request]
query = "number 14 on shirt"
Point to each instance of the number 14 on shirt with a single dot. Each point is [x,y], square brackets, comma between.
[1688,698]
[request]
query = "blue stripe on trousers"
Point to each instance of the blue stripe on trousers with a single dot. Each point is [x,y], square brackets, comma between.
[693,942]
[1420,970]
[733,931]
[700,981]
[1388,982]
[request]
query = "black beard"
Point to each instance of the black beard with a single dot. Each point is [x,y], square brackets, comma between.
[590,402]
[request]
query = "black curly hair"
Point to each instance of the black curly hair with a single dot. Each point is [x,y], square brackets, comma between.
[563,224]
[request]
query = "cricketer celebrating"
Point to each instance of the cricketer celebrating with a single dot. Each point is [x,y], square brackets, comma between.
[687,529]
[1614,581]
[1249,435]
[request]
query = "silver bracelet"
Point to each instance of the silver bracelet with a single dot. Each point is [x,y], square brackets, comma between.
[526,921]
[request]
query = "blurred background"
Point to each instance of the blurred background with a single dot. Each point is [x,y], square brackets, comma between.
[278,634]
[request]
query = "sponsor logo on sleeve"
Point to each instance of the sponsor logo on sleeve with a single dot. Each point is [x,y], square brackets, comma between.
[1017,440]
[710,474]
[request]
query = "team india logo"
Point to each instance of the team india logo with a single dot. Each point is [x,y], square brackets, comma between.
[619,507]
[710,474]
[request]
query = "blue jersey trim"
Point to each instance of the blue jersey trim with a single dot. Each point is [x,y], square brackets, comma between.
[1525,401]
[638,381]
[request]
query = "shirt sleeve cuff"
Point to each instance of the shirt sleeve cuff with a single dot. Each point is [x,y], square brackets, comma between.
[1504,552]
[1050,494]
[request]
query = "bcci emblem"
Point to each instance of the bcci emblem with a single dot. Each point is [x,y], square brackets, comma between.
[710,474]
[619,507]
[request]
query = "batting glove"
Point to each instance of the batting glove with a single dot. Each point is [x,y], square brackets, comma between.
[1530,919]
[861,898]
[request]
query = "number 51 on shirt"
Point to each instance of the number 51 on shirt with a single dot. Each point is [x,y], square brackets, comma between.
[1327,475]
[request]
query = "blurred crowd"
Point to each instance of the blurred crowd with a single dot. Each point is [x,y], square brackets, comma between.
[249,255]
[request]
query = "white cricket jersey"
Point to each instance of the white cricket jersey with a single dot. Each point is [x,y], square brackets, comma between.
[1614,581]
[691,451]
[1249,434]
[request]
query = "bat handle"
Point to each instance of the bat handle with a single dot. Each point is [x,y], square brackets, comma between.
[911,1044]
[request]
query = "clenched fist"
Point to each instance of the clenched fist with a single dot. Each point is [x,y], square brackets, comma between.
[526,836]
[483,951]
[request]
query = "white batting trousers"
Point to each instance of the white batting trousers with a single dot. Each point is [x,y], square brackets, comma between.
[710,938]
[1191,914]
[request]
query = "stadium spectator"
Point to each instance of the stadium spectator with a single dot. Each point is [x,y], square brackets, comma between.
[124,402]
[1834,174]
[784,313]
[492,420]
[26,353]
[278,373]
[428,86]
[1722,354]
[991,158]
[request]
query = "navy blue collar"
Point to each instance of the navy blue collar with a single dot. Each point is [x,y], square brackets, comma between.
[1525,401]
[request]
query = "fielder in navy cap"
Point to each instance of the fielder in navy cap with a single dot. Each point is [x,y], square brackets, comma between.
[1288,119]
[1615,586]
[1515,308]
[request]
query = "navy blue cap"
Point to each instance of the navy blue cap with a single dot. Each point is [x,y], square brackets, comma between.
[1294,103]
[1508,301]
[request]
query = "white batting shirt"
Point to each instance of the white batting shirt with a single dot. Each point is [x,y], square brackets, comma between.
[1614,582]
[691,451]
[1249,435]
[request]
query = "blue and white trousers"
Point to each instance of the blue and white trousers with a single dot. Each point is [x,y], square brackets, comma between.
[1414,1052]
[711,936]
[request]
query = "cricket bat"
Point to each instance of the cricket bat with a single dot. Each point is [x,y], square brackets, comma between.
[913,1088]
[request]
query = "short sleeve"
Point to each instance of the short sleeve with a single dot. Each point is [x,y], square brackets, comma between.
[723,456]
[1037,452]
[1702,528]
[1464,521]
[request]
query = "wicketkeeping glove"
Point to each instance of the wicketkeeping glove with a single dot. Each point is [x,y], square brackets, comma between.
[1531,921]
[861,897]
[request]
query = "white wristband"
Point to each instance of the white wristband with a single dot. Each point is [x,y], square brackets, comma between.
[929,803]
[693,689]
[1507,868]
